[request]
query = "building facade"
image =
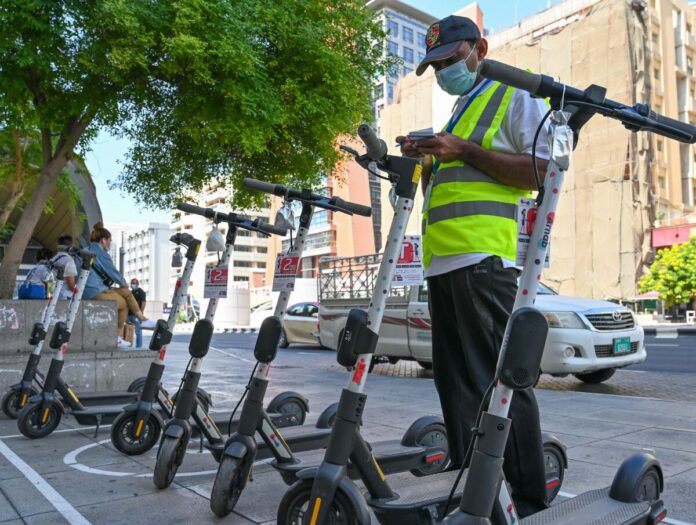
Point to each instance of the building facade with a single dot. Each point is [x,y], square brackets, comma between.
[620,184]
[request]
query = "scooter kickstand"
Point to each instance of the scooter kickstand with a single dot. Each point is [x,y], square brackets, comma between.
[200,443]
[96,430]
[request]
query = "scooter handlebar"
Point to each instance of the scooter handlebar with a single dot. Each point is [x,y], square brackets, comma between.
[375,147]
[196,210]
[270,228]
[357,209]
[510,75]
[265,187]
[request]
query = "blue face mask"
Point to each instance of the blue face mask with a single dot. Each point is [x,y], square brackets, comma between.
[456,79]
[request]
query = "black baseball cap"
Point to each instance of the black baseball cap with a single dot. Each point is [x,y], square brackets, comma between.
[444,38]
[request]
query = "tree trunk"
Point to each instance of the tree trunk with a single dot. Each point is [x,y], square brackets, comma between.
[16,193]
[27,223]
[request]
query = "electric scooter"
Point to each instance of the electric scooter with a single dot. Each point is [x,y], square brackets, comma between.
[178,429]
[634,495]
[423,448]
[32,379]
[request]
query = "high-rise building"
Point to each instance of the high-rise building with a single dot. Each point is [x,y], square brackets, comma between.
[620,184]
[142,251]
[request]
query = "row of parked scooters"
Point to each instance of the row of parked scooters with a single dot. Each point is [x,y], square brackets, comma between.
[322,463]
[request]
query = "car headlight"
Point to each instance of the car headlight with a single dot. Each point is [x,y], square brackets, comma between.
[563,320]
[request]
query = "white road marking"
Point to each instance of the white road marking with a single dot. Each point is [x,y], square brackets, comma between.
[232,355]
[65,430]
[69,512]
[670,521]
[660,344]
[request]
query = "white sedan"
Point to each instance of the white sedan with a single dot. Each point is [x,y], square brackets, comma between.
[588,338]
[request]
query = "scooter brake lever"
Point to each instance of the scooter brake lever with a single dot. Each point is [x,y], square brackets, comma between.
[349,150]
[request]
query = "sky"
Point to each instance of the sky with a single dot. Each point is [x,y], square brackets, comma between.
[108,151]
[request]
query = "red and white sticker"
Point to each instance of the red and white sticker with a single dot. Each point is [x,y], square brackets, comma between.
[409,265]
[285,273]
[216,278]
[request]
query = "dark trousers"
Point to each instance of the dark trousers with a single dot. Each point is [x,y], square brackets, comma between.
[469,309]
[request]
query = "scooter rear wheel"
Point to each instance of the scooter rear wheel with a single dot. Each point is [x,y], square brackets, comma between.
[295,502]
[11,402]
[227,487]
[122,434]
[167,464]
[36,422]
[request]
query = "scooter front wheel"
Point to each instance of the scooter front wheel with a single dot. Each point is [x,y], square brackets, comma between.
[36,420]
[228,486]
[123,435]
[12,402]
[167,461]
[295,502]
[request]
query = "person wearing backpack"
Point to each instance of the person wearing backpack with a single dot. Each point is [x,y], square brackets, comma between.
[103,275]
[35,284]
[63,259]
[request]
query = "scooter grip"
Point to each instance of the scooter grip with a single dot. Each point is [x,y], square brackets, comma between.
[196,210]
[684,127]
[510,75]
[357,209]
[270,228]
[375,147]
[259,185]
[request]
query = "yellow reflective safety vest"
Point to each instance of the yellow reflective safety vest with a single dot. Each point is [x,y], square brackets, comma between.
[467,210]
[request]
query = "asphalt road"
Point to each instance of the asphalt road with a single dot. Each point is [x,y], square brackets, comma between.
[669,355]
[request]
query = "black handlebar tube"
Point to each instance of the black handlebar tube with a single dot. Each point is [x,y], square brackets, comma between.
[306,196]
[636,118]
[233,219]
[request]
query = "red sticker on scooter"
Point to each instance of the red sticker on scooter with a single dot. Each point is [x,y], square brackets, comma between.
[359,371]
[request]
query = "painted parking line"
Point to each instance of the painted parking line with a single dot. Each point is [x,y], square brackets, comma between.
[232,355]
[669,521]
[69,512]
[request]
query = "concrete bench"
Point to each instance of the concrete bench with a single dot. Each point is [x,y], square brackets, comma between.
[93,361]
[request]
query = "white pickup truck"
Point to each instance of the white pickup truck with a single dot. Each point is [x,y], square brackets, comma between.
[587,338]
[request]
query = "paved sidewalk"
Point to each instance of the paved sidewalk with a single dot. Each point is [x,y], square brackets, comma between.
[91,481]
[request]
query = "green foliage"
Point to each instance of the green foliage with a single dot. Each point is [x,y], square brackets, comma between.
[673,274]
[204,89]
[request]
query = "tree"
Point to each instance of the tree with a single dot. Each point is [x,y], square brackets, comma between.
[204,89]
[673,274]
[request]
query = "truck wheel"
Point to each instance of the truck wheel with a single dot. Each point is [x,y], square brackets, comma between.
[426,364]
[596,377]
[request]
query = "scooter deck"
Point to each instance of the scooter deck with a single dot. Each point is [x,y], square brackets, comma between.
[92,415]
[300,439]
[391,456]
[414,497]
[594,506]
[104,398]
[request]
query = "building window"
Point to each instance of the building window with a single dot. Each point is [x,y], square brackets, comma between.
[378,91]
[689,65]
[408,55]
[242,248]
[242,264]
[662,183]
[261,265]
[660,145]
[688,28]
[421,57]
[656,74]
[240,279]
[261,249]
[408,35]
[390,92]
[394,71]
[421,40]
[392,28]
[407,70]
[393,48]
[320,218]
[655,38]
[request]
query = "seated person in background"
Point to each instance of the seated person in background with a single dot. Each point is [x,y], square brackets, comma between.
[35,284]
[103,274]
[62,258]
[140,297]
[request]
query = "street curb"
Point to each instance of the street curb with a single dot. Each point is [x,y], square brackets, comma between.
[682,330]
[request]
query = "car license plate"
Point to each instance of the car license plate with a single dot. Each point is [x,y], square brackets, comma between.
[622,345]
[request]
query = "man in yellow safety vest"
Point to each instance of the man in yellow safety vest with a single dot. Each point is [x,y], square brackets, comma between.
[475,172]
